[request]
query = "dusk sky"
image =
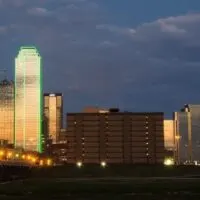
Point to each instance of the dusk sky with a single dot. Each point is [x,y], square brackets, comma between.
[138,55]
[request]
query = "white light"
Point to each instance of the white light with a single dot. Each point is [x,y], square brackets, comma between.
[79,164]
[103,164]
[168,162]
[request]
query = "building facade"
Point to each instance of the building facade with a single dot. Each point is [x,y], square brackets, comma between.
[28,99]
[187,134]
[53,111]
[115,137]
[7,111]
[169,135]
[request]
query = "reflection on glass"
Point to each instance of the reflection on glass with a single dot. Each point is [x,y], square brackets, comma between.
[53,114]
[169,134]
[28,99]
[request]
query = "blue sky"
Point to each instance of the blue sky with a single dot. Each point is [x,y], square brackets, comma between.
[139,55]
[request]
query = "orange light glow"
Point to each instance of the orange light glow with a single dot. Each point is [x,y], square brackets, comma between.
[49,162]
[9,154]
[2,153]
[41,163]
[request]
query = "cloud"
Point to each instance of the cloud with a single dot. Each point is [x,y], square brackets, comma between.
[38,11]
[116,29]
[3,29]
[15,3]
[93,62]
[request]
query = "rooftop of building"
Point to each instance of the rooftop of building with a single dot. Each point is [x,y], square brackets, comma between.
[53,94]
[117,113]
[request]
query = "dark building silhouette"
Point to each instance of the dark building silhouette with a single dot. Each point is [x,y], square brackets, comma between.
[115,137]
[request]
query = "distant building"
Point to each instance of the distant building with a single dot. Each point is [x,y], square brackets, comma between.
[169,135]
[28,100]
[187,134]
[94,110]
[53,111]
[115,137]
[7,111]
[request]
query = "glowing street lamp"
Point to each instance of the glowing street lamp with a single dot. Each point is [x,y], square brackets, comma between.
[79,164]
[2,153]
[9,154]
[49,162]
[41,163]
[168,162]
[103,164]
[28,157]
[33,160]
[17,155]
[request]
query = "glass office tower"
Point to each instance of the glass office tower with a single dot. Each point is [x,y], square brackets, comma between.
[53,111]
[28,99]
[7,111]
[188,134]
[181,137]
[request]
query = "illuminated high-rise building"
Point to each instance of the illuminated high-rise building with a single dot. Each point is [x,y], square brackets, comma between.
[28,99]
[7,111]
[53,111]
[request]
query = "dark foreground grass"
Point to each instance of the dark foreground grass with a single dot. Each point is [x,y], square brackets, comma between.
[54,183]
[90,189]
[115,171]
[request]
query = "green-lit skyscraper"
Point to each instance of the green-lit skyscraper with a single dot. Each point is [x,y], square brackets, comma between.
[28,99]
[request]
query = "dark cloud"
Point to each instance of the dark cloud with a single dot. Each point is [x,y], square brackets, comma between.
[154,66]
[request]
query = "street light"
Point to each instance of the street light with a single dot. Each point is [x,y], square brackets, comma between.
[2,153]
[79,164]
[168,162]
[49,162]
[103,164]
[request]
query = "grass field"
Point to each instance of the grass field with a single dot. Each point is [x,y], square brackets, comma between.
[112,182]
[101,189]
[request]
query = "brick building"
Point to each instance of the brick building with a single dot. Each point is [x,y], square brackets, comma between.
[115,137]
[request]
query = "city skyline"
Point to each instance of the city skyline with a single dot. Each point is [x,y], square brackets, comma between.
[28,99]
[135,55]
